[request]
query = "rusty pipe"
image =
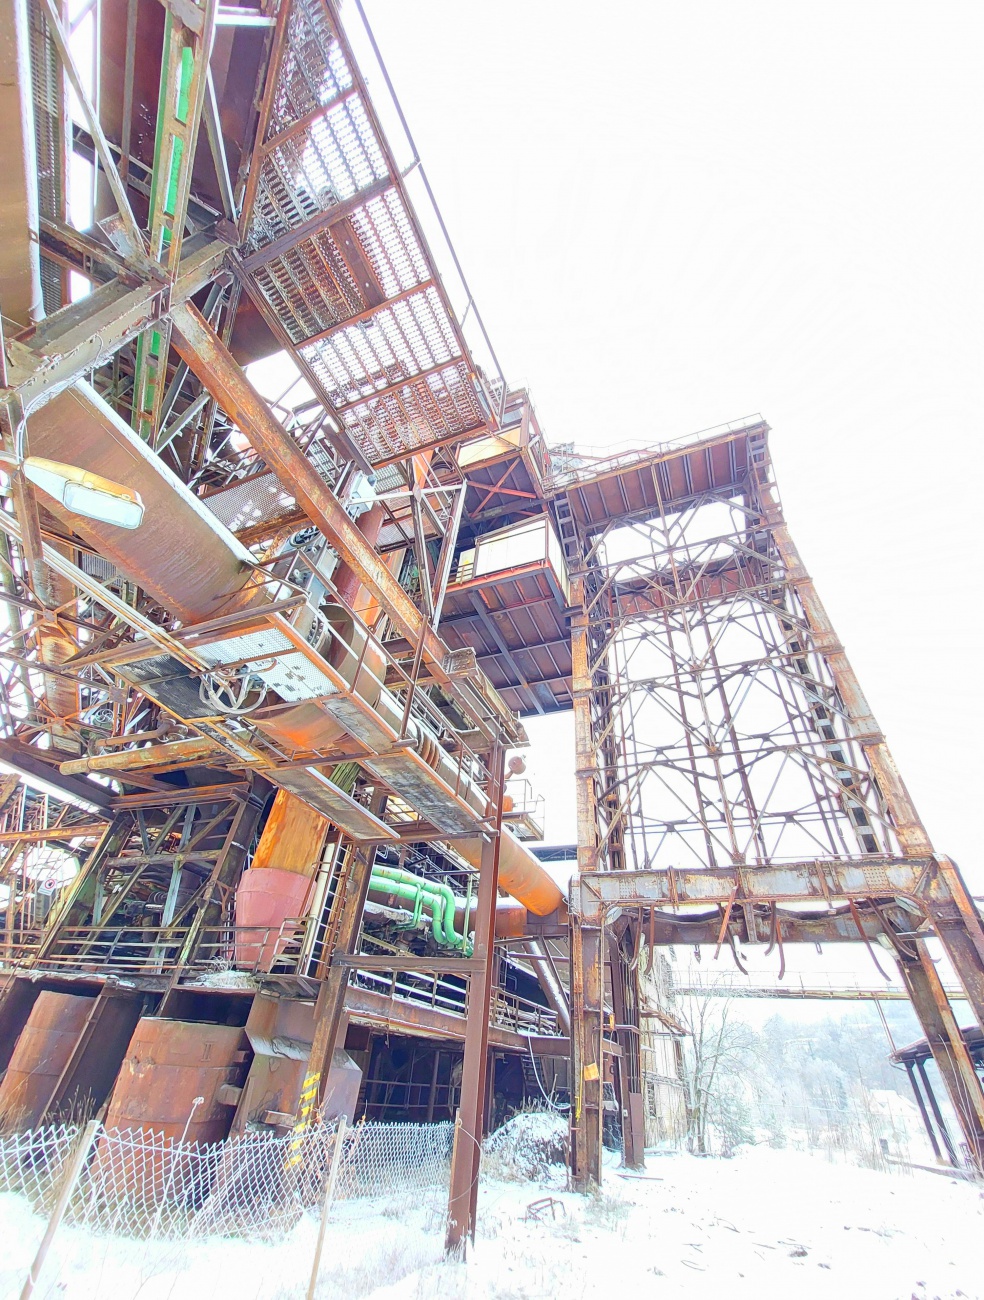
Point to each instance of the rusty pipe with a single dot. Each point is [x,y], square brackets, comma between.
[158,733]
[175,751]
[520,873]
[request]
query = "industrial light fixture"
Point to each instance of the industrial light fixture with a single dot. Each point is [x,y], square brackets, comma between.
[84,493]
[49,788]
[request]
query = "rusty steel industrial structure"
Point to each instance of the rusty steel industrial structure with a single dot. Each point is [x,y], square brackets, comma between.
[260,801]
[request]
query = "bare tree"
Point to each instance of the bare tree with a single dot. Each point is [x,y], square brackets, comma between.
[718,1056]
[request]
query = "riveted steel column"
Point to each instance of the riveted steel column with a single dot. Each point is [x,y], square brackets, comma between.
[587,1053]
[961,932]
[586,765]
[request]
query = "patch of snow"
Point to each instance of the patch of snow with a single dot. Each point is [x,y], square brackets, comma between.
[764,1225]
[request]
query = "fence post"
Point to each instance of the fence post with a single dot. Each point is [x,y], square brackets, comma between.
[72,1174]
[329,1193]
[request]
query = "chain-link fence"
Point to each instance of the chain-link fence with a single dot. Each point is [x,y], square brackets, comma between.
[141,1184]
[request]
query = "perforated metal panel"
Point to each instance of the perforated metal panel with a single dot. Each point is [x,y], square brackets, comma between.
[258,500]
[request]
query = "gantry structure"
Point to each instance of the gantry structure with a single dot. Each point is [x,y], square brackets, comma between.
[285,563]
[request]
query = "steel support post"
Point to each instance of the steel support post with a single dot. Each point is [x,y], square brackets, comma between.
[224,877]
[910,1070]
[587,1053]
[78,899]
[463,1190]
[950,1053]
[184,79]
[586,757]
[625,1005]
[934,1105]
[960,930]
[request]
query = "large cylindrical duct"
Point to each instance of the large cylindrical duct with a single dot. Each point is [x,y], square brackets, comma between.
[43,1050]
[520,873]
[278,884]
[168,1065]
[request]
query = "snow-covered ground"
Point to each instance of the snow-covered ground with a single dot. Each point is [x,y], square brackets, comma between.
[766,1225]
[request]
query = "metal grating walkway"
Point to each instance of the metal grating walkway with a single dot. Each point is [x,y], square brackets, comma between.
[336,254]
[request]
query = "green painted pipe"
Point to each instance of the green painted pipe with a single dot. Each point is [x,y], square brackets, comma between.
[417,896]
[438,899]
[448,900]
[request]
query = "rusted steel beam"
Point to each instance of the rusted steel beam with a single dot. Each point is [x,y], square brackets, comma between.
[169,754]
[911,833]
[961,931]
[418,1020]
[53,833]
[215,366]
[399,961]
[194,794]
[821,880]
[463,1193]
[625,1007]
[586,758]
[25,761]
[949,1050]
[587,1053]
[84,334]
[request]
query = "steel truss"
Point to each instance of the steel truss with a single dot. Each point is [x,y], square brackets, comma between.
[720,734]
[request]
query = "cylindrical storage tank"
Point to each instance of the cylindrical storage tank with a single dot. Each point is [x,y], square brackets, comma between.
[43,1050]
[167,1065]
[266,897]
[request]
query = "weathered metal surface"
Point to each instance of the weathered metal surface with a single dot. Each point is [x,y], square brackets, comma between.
[176,753]
[265,899]
[168,1064]
[280,1032]
[70,342]
[463,1190]
[20,270]
[211,360]
[293,837]
[181,553]
[43,1050]
[825,881]
[315,787]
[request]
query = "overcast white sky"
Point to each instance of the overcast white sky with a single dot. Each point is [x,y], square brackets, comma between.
[675,214]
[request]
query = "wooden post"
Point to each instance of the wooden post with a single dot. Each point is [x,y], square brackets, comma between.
[336,1156]
[72,1174]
